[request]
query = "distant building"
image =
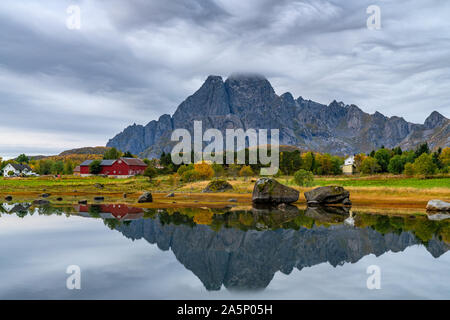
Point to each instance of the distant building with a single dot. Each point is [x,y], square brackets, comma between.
[77,171]
[349,166]
[17,170]
[122,167]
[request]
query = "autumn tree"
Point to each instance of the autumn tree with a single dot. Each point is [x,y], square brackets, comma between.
[370,166]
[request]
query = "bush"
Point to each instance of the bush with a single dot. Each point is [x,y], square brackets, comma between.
[246,171]
[204,170]
[150,172]
[218,169]
[185,168]
[396,165]
[303,178]
[95,167]
[190,176]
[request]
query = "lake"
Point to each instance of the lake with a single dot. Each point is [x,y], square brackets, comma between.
[134,253]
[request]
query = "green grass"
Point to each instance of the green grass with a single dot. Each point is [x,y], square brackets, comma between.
[386,182]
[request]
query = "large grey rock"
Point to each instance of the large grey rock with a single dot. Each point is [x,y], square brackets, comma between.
[249,101]
[41,202]
[218,186]
[328,195]
[270,191]
[438,205]
[145,197]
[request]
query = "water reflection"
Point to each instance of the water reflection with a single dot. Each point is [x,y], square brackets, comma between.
[243,249]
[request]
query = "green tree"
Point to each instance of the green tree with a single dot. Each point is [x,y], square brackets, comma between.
[304,178]
[95,167]
[409,169]
[112,154]
[128,154]
[150,172]
[44,167]
[190,176]
[424,165]
[68,167]
[370,166]
[58,167]
[423,148]
[218,169]
[309,161]
[22,159]
[396,164]
[383,156]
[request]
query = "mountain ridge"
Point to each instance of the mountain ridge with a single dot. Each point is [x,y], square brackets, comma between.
[249,101]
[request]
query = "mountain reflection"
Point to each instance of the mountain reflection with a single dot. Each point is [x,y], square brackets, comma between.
[243,249]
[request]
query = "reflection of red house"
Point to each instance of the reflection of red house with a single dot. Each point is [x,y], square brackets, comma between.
[113,211]
[122,167]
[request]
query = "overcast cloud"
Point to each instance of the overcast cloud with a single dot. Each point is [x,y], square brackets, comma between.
[135,60]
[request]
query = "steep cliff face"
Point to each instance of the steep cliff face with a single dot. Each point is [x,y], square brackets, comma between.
[249,101]
[249,259]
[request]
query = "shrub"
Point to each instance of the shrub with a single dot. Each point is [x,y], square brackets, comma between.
[150,172]
[218,169]
[185,168]
[190,176]
[303,178]
[204,170]
[246,171]
[95,167]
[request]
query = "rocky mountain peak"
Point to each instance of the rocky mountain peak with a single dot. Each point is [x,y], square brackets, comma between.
[435,119]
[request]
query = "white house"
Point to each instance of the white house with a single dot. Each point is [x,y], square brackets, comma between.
[349,165]
[17,169]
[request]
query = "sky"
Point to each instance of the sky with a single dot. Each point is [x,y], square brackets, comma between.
[132,61]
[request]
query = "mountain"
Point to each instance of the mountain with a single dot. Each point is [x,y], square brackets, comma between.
[249,101]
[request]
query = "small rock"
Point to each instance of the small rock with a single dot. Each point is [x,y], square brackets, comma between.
[170,195]
[99,186]
[438,205]
[232,200]
[328,195]
[218,186]
[8,198]
[59,199]
[45,195]
[99,198]
[145,197]
[40,202]
[82,202]
[270,191]
[124,195]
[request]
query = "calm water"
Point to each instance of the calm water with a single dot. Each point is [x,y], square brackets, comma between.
[130,253]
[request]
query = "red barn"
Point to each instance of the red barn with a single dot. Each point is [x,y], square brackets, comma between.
[122,167]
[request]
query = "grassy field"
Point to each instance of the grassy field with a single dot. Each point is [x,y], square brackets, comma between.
[372,191]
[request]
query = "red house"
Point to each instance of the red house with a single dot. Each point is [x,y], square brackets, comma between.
[122,167]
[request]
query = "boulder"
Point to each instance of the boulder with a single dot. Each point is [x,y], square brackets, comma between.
[232,200]
[40,202]
[170,195]
[82,202]
[438,205]
[99,186]
[8,198]
[45,195]
[439,216]
[218,186]
[59,199]
[270,191]
[145,197]
[124,195]
[99,198]
[328,195]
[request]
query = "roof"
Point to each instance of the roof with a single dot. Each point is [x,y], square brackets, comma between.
[20,167]
[134,162]
[128,161]
[103,163]
[77,169]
